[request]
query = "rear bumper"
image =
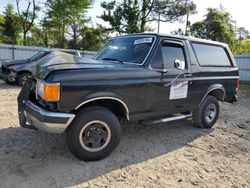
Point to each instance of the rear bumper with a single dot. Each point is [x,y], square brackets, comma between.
[44,120]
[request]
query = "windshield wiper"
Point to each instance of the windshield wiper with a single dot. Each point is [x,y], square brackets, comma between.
[113,59]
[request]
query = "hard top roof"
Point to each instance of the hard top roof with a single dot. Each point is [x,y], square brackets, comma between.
[190,38]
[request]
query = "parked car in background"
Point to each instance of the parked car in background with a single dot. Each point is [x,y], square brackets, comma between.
[18,71]
[88,54]
[145,78]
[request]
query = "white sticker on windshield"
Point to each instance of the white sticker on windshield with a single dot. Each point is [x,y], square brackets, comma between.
[143,41]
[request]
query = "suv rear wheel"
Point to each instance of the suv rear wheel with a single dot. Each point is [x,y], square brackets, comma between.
[94,134]
[207,114]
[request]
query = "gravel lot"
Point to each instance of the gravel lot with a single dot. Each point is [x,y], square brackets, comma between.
[173,155]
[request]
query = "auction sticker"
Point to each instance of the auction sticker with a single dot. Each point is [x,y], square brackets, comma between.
[178,90]
[143,41]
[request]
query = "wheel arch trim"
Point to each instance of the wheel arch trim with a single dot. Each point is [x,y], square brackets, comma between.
[212,88]
[109,98]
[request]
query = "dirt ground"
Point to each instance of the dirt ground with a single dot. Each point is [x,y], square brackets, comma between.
[173,155]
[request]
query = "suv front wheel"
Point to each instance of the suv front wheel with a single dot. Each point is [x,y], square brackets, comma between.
[94,134]
[206,115]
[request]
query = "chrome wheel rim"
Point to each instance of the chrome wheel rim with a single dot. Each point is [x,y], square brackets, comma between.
[95,136]
[210,113]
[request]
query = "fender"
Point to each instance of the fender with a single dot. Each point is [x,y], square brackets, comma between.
[212,88]
[104,95]
[21,68]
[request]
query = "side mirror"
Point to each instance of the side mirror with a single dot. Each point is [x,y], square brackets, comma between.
[180,65]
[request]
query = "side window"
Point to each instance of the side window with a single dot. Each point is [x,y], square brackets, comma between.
[211,55]
[170,53]
[157,61]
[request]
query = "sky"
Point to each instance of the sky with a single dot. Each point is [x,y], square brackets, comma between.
[239,9]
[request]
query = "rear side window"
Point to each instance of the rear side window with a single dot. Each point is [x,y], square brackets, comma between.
[209,55]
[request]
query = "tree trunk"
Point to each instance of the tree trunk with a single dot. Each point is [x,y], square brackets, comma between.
[143,16]
[143,25]
[62,37]
[24,38]
[75,35]
[46,39]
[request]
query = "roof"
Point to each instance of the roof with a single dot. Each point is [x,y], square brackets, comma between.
[194,39]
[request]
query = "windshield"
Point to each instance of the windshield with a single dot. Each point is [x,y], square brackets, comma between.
[39,55]
[131,49]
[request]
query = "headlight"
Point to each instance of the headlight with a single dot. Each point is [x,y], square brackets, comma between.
[48,91]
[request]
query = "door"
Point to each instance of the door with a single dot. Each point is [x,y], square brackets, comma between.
[173,93]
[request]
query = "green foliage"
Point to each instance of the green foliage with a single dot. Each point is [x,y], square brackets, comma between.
[64,24]
[62,14]
[132,16]
[241,47]
[217,26]
[94,38]
[10,26]
[243,33]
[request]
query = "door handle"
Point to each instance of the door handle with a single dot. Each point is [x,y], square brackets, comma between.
[162,70]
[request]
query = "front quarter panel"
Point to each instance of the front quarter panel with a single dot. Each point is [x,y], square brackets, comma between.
[127,84]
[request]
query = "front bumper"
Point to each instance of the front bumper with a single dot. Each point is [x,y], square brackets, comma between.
[10,77]
[46,121]
[35,117]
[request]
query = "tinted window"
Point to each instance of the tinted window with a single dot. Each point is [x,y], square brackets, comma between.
[209,55]
[170,54]
[39,55]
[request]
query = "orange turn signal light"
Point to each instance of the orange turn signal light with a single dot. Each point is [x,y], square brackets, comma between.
[51,92]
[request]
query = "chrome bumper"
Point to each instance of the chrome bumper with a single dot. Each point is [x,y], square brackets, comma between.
[44,120]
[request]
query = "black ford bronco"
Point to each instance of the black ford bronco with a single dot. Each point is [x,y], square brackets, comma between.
[145,78]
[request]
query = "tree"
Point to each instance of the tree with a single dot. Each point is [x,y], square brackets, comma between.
[217,25]
[132,16]
[241,47]
[27,16]
[1,27]
[63,14]
[10,26]
[243,33]
[93,38]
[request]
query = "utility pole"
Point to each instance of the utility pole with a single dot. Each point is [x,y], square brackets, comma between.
[159,21]
[187,25]
[187,21]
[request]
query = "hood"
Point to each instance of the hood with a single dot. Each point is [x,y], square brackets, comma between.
[15,62]
[62,61]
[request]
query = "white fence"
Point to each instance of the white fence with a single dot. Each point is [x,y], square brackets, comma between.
[13,52]
[243,62]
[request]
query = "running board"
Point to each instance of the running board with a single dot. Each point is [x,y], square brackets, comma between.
[165,120]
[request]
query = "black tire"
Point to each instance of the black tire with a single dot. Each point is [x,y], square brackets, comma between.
[75,132]
[207,114]
[23,77]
